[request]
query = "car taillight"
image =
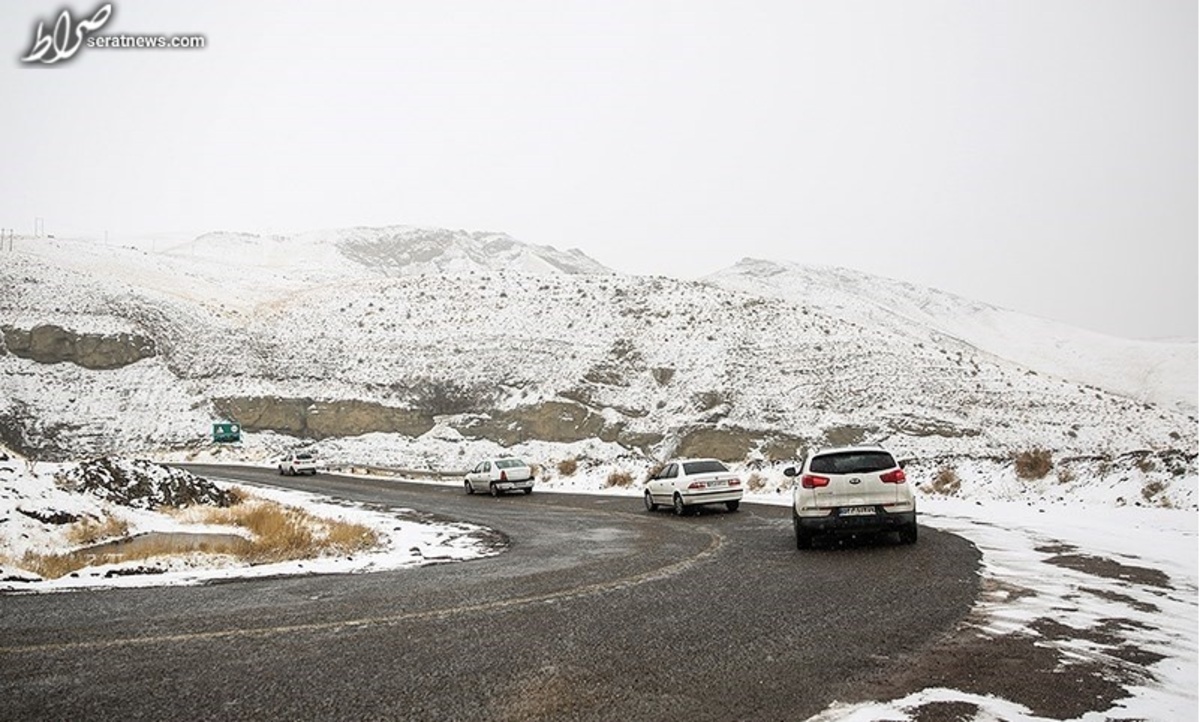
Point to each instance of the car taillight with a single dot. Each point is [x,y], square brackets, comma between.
[503,476]
[810,481]
[697,485]
[735,482]
[895,476]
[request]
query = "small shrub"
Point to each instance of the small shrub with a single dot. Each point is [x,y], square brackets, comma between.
[1065,475]
[1146,464]
[756,482]
[344,538]
[1153,489]
[567,467]
[619,478]
[1033,464]
[946,481]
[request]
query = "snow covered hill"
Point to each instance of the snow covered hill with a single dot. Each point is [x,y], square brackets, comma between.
[424,348]
[1158,372]
[391,250]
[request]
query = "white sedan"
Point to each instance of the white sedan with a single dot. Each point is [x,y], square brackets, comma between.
[499,475]
[691,482]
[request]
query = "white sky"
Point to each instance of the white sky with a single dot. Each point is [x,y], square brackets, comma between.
[1037,155]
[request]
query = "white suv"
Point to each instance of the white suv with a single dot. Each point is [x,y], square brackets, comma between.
[690,482]
[298,462]
[851,489]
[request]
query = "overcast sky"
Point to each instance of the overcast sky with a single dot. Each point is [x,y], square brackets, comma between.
[1040,155]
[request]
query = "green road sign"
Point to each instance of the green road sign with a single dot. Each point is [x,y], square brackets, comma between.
[227,432]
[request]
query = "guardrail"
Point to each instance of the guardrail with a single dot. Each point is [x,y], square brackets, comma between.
[395,471]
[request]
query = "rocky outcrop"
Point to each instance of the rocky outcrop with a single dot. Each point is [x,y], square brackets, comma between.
[734,444]
[919,426]
[556,421]
[50,344]
[559,421]
[317,420]
[143,484]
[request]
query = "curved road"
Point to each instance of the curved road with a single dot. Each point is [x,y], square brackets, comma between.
[597,610]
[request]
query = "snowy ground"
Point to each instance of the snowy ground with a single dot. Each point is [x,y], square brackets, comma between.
[1047,567]
[1092,570]
[408,538]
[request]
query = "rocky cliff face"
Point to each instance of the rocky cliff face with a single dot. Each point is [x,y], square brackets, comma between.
[51,344]
[316,420]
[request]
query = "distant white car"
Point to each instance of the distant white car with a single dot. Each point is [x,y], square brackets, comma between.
[687,483]
[298,462]
[850,490]
[498,476]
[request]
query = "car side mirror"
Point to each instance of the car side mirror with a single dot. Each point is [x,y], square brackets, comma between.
[790,471]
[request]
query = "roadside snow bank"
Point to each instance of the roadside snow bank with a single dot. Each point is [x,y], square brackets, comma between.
[48,510]
[1112,592]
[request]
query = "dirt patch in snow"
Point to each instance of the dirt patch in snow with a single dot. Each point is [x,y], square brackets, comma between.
[1021,668]
[1110,569]
[1042,666]
[946,712]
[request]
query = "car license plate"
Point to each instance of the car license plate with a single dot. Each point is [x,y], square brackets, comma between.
[858,511]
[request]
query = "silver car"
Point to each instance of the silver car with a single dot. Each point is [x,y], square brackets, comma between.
[498,476]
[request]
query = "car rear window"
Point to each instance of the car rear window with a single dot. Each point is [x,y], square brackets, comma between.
[509,463]
[702,467]
[852,462]
[303,457]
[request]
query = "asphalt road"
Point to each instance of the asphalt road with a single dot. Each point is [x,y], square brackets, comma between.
[597,610]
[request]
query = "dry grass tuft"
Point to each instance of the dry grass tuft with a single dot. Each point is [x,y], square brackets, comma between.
[238,495]
[756,482]
[1033,464]
[946,481]
[92,531]
[347,538]
[567,467]
[51,566]
[278,533]
[285,533]
[619,478]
